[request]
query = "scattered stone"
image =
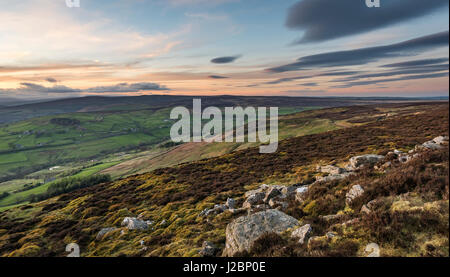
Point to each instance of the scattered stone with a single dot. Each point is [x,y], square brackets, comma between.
[330,235]
[355,192]
[104,231]
[243,231]
[365,209]
[351,222]
[441,140]
[404,158]
[289,190]
[261,188]
[208,249]
[275,203]
[302,233]
[431,145]
[317,242]
[254,199]
[364,160]
[271,193]
[300,193]
[331,169]
[132,223]
[332,218]
[434,144]
[231,203]
[334,177]
[237,211]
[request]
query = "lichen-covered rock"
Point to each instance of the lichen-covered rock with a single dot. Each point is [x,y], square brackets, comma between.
[434,144]
[364,160]
[243,231]
[365,209]
[331,169]
[208,249]
[355,192]
[132,223]
[300,193]
[289,190]
[333,177]
[441,140]
[104,231]
[277,203]
[271,193]
[431,145]
[254,199]
[261,188]
[231,203]
[302,233]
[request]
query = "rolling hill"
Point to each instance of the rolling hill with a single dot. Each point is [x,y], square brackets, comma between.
[410,217]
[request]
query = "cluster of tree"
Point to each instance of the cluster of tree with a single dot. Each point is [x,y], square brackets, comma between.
[65,121]
[28,187]
[4,195]
[70,184]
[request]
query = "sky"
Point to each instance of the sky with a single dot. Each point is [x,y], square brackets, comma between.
[217,47]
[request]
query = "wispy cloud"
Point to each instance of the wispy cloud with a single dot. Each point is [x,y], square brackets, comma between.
[228,59]
[367,55]
[383,81]
[217,77]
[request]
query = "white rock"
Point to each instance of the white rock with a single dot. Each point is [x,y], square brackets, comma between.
[302,233]
[300,193]
[441,140]
[355,192]
[132,223]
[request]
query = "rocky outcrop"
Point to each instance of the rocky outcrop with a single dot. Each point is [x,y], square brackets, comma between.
[302,233]
[268,197]
[434,144]
[355,192]
[243,231]
[218,209]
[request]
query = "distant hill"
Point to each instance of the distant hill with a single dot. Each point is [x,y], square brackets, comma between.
[23,111]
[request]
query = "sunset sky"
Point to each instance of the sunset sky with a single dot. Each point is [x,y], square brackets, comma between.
[216,47]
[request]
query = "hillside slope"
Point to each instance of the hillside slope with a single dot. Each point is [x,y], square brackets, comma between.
[170,200]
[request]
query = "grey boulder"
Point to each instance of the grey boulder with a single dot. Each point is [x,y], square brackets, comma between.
[244,231]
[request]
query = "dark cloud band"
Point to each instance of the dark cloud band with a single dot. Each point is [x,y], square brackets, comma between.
[366,55]
[222,60]
[330,19]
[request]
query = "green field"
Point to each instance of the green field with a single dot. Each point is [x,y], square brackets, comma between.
[46,149]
